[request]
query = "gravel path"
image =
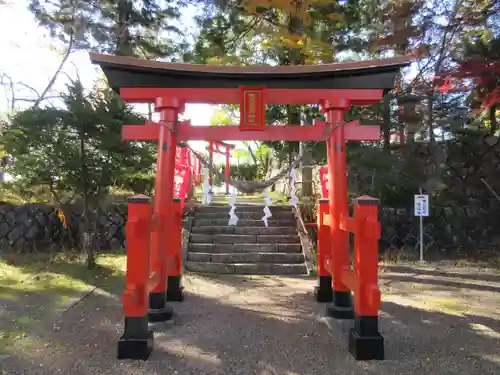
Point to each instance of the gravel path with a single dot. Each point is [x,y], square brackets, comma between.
[432,323]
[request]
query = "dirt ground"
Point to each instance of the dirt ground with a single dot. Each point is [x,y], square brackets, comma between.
[435,321]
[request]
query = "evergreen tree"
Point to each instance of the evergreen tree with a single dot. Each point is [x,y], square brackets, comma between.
[141,28]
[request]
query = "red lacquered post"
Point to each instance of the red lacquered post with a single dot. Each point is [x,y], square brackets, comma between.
[169,108]
[365,341]
[323,292]
[227,169]
[210,160]
[183,157]
[338,200]
[199,171]
[137,341]
[174,287]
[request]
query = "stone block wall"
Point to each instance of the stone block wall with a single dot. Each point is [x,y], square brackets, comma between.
[36,227]
[447,230]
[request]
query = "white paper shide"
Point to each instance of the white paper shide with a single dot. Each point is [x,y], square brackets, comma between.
[233,219]
[267,202]
[293,190]
[207,189]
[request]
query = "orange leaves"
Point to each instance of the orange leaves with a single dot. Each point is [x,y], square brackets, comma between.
[490,100]
[314,51]
[292,8]
[284,28]
[293,41]
[223,60]
[336,17]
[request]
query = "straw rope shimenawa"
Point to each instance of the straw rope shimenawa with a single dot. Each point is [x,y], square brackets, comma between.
[251,187]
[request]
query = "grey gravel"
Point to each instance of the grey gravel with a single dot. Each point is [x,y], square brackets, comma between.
[271,326]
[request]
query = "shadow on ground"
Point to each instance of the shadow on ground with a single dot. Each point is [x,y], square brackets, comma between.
[262,326]
[488,276]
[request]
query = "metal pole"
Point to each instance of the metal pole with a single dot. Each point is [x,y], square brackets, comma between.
[421,236]
[421,239]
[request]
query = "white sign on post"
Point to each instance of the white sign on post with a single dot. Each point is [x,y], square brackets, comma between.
[421,210]
[421,205]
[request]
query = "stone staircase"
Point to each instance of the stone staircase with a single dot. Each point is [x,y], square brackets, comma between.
[249,248]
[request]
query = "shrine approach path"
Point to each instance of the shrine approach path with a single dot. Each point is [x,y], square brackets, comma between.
[433,322]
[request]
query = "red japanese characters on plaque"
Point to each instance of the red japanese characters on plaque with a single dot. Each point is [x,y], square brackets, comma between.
[323,177]
[252,108]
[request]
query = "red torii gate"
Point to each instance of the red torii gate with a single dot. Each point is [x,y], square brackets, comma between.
[215,147]
[336,87]
[187,173]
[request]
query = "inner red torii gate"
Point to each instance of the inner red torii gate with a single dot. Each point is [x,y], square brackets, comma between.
[215,147]
[336,87]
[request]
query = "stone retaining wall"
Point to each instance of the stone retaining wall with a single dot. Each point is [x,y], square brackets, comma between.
[36,227]
[447,229]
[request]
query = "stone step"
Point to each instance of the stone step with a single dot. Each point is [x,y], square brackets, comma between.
[244,238]
[247,268]
[243,230]
[244,248]
[256,257]
[246,223]
[242,207]
[255,215]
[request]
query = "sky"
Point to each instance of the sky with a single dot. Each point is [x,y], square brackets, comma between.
[27,55]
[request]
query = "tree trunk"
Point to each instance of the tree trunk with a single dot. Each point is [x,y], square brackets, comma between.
[305,165]
[386,122]
[293,116]
[85,234]
[150,112]
[430,117]
[275,166]
[493,119]
[295,57]
[402,140]
[250,151]
[123,46]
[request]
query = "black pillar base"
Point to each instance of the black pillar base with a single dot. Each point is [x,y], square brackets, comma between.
[137,341]
[159,311]
[174,289]
[365,342]
[323,292]
[341,307]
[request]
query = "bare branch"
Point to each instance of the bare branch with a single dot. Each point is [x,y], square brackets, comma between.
[56,74]
[69,50]
[36,100]
[29,88]
[10,84]
[248,27]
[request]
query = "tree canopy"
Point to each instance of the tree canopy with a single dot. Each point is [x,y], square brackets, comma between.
[76,151]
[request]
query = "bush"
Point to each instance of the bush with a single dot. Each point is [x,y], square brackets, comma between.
[245,172]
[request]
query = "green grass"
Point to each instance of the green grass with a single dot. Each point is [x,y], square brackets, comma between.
[35,287]
[40,194]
